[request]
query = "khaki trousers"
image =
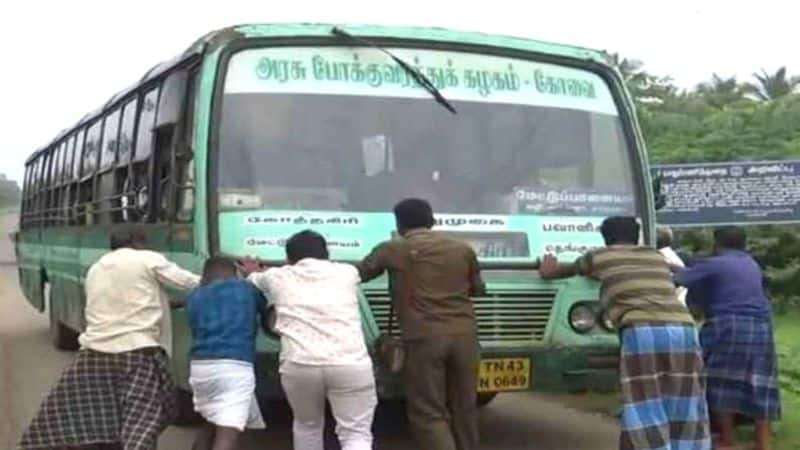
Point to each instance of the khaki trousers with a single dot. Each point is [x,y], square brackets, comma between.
[441,388]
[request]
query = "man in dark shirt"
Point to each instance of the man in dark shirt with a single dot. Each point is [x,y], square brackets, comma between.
[432,278]
[737,336]
[224,315]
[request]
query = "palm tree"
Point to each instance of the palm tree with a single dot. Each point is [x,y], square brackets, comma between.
[720,92]
[631,69]
[642,85]
[771,87]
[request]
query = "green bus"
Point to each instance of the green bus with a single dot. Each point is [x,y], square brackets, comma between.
[258,131]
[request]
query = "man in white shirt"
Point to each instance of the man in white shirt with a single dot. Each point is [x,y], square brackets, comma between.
[118,390]
[323,352]
[664,238]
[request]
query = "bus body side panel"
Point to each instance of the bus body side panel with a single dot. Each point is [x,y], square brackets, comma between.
[59,263]
[30,273]
[182,255]
[92,244]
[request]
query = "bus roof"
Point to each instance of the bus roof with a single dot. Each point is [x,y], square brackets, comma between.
[418,34]
[219,38]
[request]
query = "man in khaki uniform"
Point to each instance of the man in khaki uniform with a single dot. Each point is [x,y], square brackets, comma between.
[433,277]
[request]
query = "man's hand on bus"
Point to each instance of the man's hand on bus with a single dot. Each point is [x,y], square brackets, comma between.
[250,265]
[549,268]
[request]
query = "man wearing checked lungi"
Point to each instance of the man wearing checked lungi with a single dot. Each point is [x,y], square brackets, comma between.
[118,392]
[661,366]
[737,337]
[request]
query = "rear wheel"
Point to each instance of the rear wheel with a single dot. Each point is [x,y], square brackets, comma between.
[62,336]
[484,398]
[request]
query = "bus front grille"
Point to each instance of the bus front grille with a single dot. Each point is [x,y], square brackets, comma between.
[502,316]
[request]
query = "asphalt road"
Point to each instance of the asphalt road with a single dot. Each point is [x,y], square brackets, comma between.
[29,365]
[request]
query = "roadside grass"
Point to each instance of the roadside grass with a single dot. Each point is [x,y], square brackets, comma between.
[787,331]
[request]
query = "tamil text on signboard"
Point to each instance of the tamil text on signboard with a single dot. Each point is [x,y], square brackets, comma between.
[730,193]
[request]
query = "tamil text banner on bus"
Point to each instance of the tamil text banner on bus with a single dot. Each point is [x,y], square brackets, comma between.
[730,193]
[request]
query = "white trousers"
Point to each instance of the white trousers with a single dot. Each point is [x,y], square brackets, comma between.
[351,393]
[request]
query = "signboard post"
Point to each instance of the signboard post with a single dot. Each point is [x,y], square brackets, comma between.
[732,193]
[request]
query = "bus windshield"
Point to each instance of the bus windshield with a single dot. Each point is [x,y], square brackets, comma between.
[331,138]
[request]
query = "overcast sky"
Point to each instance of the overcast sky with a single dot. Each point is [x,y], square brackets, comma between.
[62,59]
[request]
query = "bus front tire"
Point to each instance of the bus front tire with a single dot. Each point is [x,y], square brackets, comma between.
[186,415]
[484,398]
[62,336]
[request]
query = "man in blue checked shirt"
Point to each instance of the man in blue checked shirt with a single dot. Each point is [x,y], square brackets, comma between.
[224,315]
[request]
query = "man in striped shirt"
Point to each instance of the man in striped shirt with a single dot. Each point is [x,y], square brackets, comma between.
[661,362]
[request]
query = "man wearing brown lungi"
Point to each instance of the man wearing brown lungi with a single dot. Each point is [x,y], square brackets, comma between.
[118,391]
[433,277]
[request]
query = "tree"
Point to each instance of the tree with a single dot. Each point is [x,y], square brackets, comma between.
[9,192]
[643,86]
[772,87]
[721,92]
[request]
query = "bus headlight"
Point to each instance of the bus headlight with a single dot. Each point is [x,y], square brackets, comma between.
[605,321]
[582,317]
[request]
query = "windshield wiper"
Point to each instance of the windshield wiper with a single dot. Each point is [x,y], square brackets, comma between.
[418,76]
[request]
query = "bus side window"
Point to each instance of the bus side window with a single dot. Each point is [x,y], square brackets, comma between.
[41,187]
[54,214]
[123,206]
[172,158]
[44,199]
[91,156]
[75,185]
[184,154]
[66,189]
[136,186]
[163,172]
[104,197]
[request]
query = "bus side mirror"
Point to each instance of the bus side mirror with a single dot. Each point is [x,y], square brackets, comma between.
[171,102]
[659,199]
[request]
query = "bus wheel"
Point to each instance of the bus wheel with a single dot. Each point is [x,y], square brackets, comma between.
[62,336]
[186,415]
[484,398]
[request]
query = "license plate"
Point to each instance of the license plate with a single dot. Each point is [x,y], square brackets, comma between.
[504,374]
